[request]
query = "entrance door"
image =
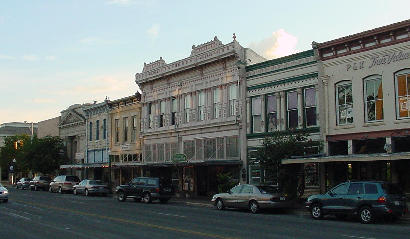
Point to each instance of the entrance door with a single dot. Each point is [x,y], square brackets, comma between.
[202,180]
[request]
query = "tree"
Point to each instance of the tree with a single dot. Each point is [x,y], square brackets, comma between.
[11,151]
[283,146]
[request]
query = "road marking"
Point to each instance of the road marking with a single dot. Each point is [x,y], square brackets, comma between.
[351,236]
[122,220]
[16,215]
[167,214]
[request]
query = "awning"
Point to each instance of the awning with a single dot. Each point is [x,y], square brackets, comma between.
[64,166]
[350,158]
[196,162]
[90,165]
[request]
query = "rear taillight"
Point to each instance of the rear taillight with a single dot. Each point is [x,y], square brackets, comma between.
[381,200]
[67,183]
[274,199]
[157,190]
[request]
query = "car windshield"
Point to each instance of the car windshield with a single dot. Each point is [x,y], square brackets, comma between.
[95,182]
[268,189]
[72,179]
[390,188]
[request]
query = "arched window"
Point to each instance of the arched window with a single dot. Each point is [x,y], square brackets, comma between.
[373,98]
[344,103]
[403,93]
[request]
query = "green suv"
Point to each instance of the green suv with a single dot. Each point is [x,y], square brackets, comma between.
[366,199]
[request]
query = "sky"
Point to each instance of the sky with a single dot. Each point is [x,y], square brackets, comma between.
[57,53]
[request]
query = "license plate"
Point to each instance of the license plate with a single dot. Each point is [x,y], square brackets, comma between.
[397,203]
[282,198]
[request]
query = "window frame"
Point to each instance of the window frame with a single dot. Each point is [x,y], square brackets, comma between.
[366,80]
[337,85]
[216,101]
[201,105]
[232,102]
[268,113]
[309,107]
[292,109]
[399,73]
[253,115]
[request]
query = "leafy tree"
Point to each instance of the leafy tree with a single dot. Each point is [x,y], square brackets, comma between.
[225,182]
[8,152]
[283,146]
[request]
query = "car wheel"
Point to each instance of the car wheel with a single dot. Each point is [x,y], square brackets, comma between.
[60,190]
[86,193]
[254,207]
[366,215]
[162,200]
[147,198]
[316,211]
[219,204]
[121,196]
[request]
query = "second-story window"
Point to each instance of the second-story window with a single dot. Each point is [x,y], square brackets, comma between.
[125,129]
[104,128]
[162,113]
[271,112]
[403,94]
[233,99]
[117,130]
[174,110]
[344,103]
[310,107]
[373,98]
[134,129]
[187,108]
[201,105]
[97,130]
[91,131]
[256,114]
[292,109]
[217,102]
[150,111]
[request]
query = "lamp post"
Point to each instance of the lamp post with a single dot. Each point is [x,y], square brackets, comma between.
[12,167]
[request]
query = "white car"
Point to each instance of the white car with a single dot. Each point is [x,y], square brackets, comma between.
[4,194]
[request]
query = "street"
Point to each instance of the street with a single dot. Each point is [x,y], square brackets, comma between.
[38,214]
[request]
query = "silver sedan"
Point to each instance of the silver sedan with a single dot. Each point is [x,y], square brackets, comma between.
[252,197]
[88,187]
[4,194]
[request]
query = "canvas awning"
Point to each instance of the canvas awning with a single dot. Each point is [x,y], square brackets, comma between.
[350,158]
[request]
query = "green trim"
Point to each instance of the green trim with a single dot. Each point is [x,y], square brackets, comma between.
[283,69]
[283,132]
[281,60]
[284,81]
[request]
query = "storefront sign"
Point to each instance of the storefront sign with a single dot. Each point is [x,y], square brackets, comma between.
[178,158]
[378,60]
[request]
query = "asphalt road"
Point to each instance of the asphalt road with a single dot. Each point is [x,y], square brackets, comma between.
[37,214]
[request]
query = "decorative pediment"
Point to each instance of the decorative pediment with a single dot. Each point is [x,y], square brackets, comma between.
[206,46]
[71,118]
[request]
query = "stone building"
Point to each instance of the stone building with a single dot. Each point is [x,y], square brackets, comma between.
[282,97]
[96,164]
[125,141]
[48,127]
[193,122]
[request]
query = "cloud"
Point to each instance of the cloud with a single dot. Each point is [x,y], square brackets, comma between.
[30,57]
[50,58]
[279,44]
[6,57]
[153,31]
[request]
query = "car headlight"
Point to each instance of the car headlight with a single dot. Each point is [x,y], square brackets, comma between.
[5,192]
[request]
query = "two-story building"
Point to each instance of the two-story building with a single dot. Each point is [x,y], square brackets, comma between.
[282,97]
[192,116]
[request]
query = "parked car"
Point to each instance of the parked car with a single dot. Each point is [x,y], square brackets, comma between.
[40,182]
[23,183]
[366,199]
[4,194]
[88,187]
[63,183]
[145,189]
[252,197]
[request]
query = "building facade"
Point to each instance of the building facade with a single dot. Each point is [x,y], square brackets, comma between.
[73,132]
[282,97]
[125,141]
[192,116]
[48,127]
[96,164]
[366,80]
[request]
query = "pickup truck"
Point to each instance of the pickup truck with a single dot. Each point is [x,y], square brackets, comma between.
[145,189]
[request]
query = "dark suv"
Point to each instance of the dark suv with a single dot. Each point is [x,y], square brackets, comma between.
[367,199]
[40,182]
[145,189]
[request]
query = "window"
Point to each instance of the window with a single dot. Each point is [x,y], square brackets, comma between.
[199,149]
[91,131]
[310,107]
[232,149]
[271,113]
[217,102]
[174,149]
[104,128]
[148,153]
[117,130]
[162,113]
[125,127]
[150,110]
[187,108]
[340,189]
[233,99]
[355,188]
[370,188]
[161,152]
[210,148]
[220,148]
[134,129]
[236,189]
[373,88]
[174,110]
[344,103]
[403,94]
[201,105]
[256,114]
[189,149]
[292,109]
[247,189]
[97,130]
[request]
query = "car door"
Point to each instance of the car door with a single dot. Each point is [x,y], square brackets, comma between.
[244,196]
[353,198]
[81,186]
[334,201]
[231,199]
